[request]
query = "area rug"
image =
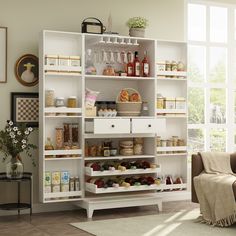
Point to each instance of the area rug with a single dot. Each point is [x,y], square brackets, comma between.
[173,224]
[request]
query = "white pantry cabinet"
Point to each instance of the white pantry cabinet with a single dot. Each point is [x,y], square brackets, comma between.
[68,81]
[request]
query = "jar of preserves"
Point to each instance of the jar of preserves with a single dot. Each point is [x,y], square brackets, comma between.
[93,150]
[160,102]
[72,102]
[169,144]
[50,98]
[180,66]
[59,137]
[175,141]
[60,102]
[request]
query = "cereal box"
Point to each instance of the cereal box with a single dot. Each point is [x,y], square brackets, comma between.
[65,177]
[56,176]
[47,178]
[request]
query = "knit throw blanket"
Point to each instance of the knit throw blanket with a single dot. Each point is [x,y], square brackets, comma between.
[214,189]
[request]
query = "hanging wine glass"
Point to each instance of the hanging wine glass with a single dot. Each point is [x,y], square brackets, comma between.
[108,40]
[129,42]
[118,58]
[115,41]
[104,57]
[102,40]
[112,59]
[125,58]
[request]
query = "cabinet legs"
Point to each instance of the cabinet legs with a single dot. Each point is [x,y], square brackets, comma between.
[90,212]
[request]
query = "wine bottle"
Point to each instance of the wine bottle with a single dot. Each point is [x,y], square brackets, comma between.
[137,66]
[145,66]
[130,65]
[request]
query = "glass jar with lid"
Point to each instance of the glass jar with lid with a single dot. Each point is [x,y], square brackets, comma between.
[59,137]
[50,98]
[60,102]
[72,102]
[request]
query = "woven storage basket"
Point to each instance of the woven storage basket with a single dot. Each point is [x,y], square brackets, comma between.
[128,108]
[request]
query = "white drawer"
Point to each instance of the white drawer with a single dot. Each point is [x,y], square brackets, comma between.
[148,126]
[143,126]
[111,126]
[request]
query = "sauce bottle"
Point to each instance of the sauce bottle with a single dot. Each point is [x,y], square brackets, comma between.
[137,65]
[145,65]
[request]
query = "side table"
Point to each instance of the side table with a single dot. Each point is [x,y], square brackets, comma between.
[27,177]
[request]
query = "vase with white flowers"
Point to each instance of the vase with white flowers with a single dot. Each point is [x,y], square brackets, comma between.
[137,26]
[14,140]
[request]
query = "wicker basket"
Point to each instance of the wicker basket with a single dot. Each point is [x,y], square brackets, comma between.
[128,108]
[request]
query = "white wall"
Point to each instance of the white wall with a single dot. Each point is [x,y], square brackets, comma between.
[26,18]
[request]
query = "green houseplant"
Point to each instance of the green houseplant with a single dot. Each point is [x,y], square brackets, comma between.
[14,140]
[137,26]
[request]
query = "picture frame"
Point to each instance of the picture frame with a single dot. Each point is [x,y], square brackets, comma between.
[27,70]
[3,54]
[25,108]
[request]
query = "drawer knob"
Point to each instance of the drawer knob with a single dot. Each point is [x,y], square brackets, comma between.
[113,126]
[149,125]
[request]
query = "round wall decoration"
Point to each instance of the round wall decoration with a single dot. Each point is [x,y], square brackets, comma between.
[27,70]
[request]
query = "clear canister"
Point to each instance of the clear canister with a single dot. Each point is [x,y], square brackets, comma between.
[50,98]
[59,137]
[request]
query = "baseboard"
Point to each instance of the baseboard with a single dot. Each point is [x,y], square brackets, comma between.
[175,196]
[46,207]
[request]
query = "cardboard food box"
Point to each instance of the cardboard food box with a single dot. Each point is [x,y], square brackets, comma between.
[90,111]
[56,177]
[47,178]
[65,177]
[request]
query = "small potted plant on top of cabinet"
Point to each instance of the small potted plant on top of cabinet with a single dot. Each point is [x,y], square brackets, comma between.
[137,26]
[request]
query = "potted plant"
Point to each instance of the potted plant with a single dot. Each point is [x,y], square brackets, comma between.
[13,141]
[137,26]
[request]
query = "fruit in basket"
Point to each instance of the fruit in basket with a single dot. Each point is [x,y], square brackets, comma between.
[134,97]
[124,96]
[150,180]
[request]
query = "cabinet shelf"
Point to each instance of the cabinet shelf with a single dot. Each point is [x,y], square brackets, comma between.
[118,157]
[122,78]
[63,152]
[93,188]
[171,111]
[175,148]
[182,154]
[172,116]
[172,73]
[170,79]
[62,110]
[63,194]
[63,69]
[89,172]
[63,158]
[62,74]
[131,135]
[120,117]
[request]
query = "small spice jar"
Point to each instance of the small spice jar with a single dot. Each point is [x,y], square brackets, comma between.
[180,103]
[60,102]
[169,103]
[174,66]
[158,140]
[163,144]
[63,61]
[160,101]
[161,66]
[75,61]
[72,102]
[181,142]
[49,97]
[59,137]
[175,141]
[51,60]
[168,66]
[180,66]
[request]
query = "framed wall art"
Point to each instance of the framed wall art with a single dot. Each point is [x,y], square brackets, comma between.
[25,108]
[27,70]
[3,54]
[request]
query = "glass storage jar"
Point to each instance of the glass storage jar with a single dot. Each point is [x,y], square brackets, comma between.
[50,98]
[60,102]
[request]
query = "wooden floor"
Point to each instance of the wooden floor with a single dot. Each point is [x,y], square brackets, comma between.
[57,223]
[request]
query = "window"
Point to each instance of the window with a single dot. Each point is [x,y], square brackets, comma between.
[212,77]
